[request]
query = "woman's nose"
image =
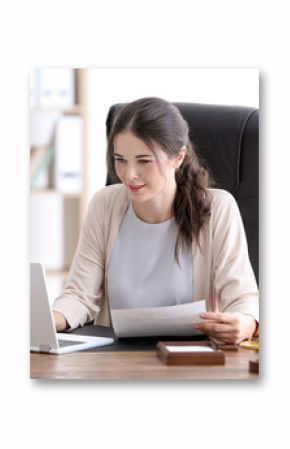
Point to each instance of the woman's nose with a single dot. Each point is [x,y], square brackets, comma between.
[131,172]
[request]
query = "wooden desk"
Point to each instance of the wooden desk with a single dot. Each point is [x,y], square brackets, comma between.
[142,365]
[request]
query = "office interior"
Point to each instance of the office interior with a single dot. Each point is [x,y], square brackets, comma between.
[68,111]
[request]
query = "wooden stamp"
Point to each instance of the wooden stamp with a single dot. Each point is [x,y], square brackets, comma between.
[190,353]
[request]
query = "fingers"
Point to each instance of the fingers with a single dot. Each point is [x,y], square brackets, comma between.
[223,326]
[212,327]
[219,316]
[222,332]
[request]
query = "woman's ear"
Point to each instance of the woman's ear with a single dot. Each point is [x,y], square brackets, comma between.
[180,157]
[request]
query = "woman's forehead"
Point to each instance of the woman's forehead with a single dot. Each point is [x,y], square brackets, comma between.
[126,143]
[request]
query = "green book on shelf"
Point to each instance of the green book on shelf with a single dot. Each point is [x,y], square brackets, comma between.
[40,159]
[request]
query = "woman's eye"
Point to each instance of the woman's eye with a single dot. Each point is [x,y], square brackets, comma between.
[140,161]
[119,160]
[144,161]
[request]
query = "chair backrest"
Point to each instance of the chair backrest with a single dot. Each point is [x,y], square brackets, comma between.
[227,142]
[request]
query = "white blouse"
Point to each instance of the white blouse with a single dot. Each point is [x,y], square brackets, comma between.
[142,270]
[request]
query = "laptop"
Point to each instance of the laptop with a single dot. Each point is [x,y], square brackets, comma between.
[43,335]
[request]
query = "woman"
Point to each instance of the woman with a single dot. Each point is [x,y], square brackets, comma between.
[163,236]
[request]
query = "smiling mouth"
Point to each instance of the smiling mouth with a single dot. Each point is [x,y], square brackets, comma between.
[136,188]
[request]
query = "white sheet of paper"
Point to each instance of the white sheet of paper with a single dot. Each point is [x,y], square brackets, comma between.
[171,320]
[189,349]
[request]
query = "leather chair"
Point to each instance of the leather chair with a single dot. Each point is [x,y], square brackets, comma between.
[227,142]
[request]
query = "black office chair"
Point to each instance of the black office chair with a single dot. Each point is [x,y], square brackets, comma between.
[227,142]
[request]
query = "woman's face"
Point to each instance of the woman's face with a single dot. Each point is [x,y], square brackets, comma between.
[138,169]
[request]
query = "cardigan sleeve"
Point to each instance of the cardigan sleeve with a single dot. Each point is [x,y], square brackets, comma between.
[83,293]
[233,277]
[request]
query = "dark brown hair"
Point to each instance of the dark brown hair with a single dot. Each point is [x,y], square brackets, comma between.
[157,121]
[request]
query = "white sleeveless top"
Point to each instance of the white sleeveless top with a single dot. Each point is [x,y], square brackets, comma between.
[142,270]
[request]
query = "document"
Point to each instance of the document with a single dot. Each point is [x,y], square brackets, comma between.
[171,321]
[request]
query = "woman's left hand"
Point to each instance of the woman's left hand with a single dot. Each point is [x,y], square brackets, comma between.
[229,327]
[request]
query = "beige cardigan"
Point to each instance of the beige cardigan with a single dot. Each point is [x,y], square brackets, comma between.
[222,272]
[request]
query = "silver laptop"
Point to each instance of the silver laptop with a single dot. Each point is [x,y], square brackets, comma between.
[43,335]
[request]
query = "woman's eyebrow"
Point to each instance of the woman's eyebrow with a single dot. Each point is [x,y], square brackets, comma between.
[143,155]
[119,155]
[137,157]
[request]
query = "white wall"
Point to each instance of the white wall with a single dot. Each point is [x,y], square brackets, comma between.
[107,86]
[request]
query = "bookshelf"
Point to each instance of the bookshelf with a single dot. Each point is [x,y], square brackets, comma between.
[58,169]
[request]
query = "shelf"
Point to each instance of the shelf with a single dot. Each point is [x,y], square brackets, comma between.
[55,192]
[73,110]
[54,213]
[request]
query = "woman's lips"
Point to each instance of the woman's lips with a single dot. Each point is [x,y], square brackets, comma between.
[136,188]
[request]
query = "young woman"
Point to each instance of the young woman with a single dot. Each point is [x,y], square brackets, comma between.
[163,236]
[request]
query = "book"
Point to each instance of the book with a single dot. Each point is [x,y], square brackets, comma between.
[68,155]
[42,127]
[40,160]
[56,87]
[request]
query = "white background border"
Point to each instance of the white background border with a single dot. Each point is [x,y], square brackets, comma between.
[155,34]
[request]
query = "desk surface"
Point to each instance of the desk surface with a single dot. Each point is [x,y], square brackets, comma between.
[142,365]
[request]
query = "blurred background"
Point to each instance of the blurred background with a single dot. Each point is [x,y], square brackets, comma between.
[68,110]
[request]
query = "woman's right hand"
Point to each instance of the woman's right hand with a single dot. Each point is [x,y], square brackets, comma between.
[60,322]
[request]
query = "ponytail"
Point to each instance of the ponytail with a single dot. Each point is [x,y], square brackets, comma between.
[192,203]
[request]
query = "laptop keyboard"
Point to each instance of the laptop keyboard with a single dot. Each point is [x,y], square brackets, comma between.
[63,343]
